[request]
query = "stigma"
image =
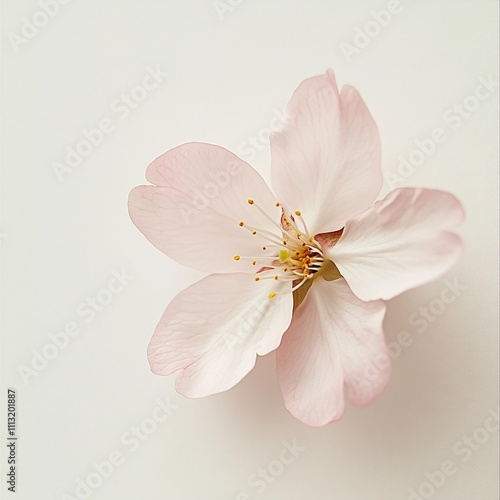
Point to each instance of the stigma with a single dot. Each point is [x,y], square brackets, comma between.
[295,255]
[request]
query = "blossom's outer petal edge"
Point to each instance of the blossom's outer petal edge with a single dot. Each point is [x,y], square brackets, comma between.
[192,213]
[334,346]
[213,330]
[402,242]
[325,159]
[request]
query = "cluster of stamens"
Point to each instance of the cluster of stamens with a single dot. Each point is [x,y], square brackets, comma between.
[295,254]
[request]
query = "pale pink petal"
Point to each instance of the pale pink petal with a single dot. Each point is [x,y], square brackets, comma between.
[401,242]
[326,159]
[335,343]
[214,329]
[193,212]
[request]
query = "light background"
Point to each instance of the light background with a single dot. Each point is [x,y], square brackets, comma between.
[227,77]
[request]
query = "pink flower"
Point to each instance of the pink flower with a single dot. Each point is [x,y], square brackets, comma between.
[304,272]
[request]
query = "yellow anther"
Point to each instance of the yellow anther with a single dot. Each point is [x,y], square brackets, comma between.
[277,204]
[250,202]
[297,213]
[272,295]
[257,279]
[254,262]
[241,224]
[264,248]
[276,278]
[254,232]
[236,257]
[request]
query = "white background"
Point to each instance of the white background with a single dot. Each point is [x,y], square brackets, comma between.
[228,75]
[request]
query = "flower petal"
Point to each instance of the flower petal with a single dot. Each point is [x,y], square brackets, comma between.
[400,243]
[192,213]
[335,341]
[326,159]
[213,330]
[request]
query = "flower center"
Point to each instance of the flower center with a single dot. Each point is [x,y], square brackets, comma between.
[296,255]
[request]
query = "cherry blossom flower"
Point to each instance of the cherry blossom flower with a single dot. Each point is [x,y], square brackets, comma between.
[305,270]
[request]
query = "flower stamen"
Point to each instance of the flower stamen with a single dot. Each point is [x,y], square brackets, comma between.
[272,221]
[295,255]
